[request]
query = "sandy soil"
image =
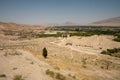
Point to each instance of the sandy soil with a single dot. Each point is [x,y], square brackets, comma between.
[65,59]
[91,45]
[25,64]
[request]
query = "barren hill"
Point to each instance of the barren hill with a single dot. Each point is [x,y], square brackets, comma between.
[15,26]
[108,22]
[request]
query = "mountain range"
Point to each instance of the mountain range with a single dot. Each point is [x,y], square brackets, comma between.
[108,22]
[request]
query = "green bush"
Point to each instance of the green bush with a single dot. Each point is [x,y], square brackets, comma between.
[103,52]
[51,73]
[117,39]
[57,75]
[47,35]
[44,52]
[60,76]
[111,52]
[2,75]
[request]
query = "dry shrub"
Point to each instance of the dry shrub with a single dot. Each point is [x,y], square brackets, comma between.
[18,77]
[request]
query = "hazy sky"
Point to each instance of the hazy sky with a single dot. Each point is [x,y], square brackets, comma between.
[57,11]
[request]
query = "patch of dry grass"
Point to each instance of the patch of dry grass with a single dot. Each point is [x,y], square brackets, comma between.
[18,77]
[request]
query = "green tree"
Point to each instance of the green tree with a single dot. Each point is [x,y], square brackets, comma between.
[44,52]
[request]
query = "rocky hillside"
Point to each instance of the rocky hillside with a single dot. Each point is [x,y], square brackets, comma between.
[108,22]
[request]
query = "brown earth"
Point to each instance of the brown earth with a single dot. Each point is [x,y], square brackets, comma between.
[24,57]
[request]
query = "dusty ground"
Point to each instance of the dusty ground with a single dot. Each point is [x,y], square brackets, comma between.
[24,64]
[80,59]
[93,44]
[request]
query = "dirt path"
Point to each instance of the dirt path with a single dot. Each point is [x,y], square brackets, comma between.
[79,49]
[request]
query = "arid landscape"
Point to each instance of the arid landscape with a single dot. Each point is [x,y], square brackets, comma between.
[69,58]
[59,39]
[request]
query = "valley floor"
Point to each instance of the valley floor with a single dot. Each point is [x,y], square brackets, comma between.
[76,58]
